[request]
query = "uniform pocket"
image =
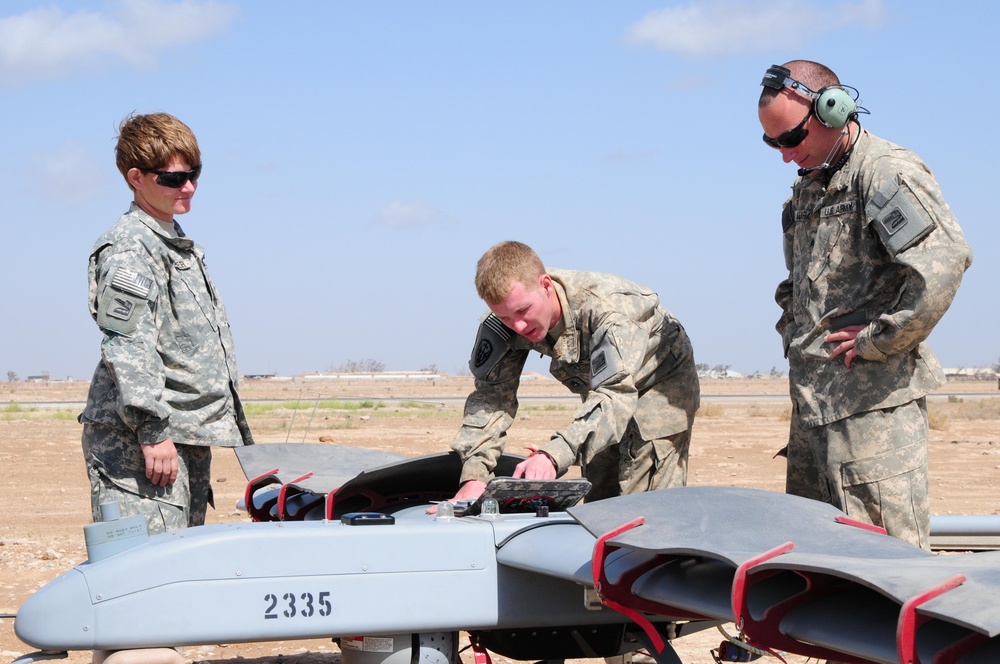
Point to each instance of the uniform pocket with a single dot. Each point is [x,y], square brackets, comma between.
[825,250]
[192,317]
[884,465]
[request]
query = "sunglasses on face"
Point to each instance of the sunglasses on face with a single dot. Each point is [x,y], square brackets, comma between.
[792,137]
[176,179]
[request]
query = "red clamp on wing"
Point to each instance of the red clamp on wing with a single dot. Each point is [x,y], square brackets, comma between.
[863,525]
[910,622]
[607,590]
[283,494]
[618,596]
[741,611]
[375,501]
[766,629]
[259,482]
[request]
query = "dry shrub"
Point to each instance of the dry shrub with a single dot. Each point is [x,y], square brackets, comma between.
[977,409]
[769,411]
[937,420]
[709,410]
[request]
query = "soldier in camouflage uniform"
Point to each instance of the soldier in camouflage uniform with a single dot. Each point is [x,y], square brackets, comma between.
[611,343]
[165,390]
[874,257]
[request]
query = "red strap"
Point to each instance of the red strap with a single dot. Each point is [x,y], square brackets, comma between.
[740,579]
[283,490]
[910,622]
[597,562]
[602,584]
[330,500]
[252,486]
[863,525]
[481,654]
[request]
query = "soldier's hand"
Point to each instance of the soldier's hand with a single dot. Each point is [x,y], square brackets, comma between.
[845,340]
[161,462]
[538,466]
[468,491]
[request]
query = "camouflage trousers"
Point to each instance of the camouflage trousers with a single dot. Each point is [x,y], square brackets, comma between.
[635,465]
[872,466]
[117,471]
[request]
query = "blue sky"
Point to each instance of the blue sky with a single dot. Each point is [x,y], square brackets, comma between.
[360,156]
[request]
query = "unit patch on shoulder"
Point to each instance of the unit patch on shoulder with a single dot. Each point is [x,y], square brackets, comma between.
[598,363]
[121,307]
[483,351]
[118,308]
[119,312]
[605,362]
[896,219]
[492,344]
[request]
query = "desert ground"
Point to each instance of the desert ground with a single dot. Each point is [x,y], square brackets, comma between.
[44,493]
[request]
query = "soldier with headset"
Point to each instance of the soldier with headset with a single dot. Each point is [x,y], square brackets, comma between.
[612,343]
[874,258]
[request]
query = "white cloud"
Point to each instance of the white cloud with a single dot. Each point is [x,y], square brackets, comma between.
[729,27]
[399,216]
[47,43]
[70,176]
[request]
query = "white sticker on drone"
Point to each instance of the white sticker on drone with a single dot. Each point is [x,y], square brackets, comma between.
[367,643]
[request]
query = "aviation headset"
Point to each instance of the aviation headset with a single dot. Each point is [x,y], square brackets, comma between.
[833,105]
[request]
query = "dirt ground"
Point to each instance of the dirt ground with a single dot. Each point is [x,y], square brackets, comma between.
[44,494]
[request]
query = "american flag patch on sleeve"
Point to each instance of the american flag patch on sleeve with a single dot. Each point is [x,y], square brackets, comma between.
[132,283]
[493,322]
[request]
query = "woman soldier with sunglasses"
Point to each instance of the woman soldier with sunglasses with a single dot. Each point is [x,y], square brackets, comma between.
[165,389]
[874,257]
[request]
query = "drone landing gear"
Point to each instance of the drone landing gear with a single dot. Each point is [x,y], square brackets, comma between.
[426,648]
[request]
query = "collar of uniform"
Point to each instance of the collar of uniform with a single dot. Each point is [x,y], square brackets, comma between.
[833,178]
[556,331]
[181,240]
[839,177]
[567,341]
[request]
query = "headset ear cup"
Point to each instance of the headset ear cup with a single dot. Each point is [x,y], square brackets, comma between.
[835,107]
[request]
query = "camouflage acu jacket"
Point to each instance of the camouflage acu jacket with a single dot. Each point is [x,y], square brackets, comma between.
[624,354]
[168,366]
[878,245]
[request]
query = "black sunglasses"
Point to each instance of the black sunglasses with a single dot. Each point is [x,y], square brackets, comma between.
[792,137]
[176,179]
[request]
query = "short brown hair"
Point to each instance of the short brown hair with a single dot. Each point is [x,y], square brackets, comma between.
[502,265]
[149,142]
[811,74]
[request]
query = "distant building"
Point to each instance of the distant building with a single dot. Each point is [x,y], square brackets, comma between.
[379,375]
[979,373]
[725,373]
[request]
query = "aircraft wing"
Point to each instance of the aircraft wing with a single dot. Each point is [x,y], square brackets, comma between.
[308,482]
[328,466]
[290,481]
[924,607]
[797,576]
